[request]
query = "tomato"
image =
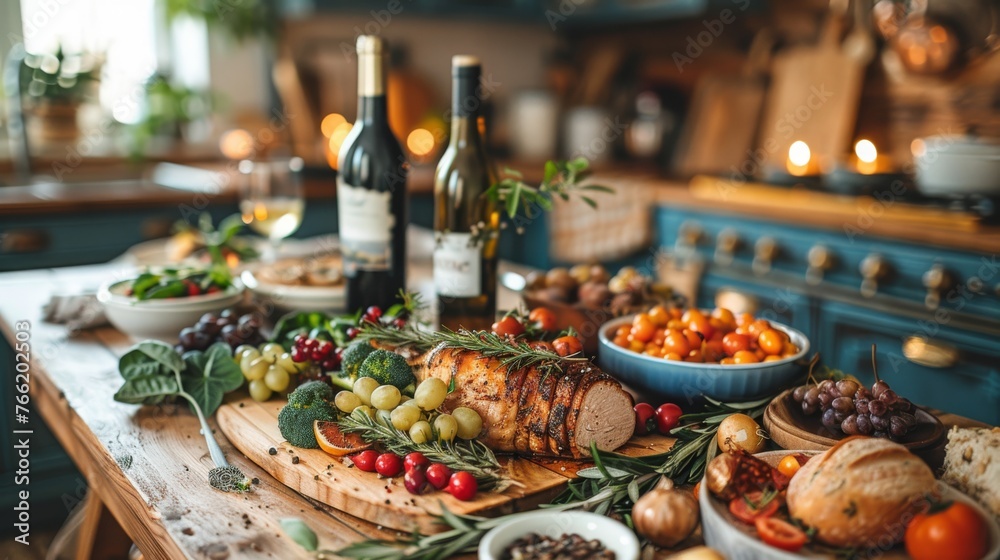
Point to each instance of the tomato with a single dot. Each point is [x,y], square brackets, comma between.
[757,327]
[192,288]
[388,465]
[668,415]
[508,326]
[745,357]
[713,350]
[677,343]
[724,315]
[659,316]
[644,422]
[951,530]
[673,356]
[621,340]
[415,460]
[365,460]
[567,345]
[541,345]
[772,341]
[748,513]
[438,475]
[781,534]
[694,339]
[695,356]
[543,318]
[744,319]
[733,343]
[463,486]
[642,328]
[700,323]
[789,465]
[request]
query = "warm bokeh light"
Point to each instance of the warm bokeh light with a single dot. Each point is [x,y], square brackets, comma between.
[330,123]
[866,151]
[799,153]
[236,144]
[420,142]
[337,137]
[918,148]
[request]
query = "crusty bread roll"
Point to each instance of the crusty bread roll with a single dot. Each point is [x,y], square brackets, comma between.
[972,464]
[860,493]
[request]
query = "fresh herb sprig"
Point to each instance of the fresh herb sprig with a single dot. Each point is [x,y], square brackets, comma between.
[561,178]
[471,456]
[515,354]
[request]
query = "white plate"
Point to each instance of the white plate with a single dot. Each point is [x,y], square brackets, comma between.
[738,541]
[296,298]
[615,536]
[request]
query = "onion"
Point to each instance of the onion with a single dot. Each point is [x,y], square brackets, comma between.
[739,431]
[666,516]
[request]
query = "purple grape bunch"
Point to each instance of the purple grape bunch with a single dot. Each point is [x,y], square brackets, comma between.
[225,327]
[849,408]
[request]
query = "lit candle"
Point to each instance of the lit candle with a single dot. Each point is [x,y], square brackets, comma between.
[799,158]
[867,157]
[236,144]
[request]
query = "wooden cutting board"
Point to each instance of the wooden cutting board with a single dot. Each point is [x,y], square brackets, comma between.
[814,97]
[252,428]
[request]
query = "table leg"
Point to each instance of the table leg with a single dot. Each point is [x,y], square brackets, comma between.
[100,537]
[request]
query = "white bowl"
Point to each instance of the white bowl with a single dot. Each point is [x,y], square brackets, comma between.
[738,541]
[958,165]
[296,298]
[161,319]
[615,536]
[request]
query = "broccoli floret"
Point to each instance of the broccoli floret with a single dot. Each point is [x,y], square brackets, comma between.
[310,402]
[387,368]
[310,392]
[353,356]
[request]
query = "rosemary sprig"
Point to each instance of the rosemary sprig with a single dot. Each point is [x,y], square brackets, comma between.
[513,354]
[561,178]
[471,456]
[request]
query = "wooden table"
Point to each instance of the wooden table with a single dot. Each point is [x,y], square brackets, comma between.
[147,467]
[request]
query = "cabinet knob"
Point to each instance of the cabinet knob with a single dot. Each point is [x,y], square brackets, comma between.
[976,285]
[820,260]
[873,269]
[689,234]
[726,244]
[24,241]
[930,353]
[764,252]
[937,280]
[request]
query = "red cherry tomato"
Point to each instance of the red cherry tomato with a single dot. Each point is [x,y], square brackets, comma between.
[644,422]
[415,460]
[415,481]
[748,513]
[667,417]
[543,318]
[734,342]
[567,345]
[781,534]
[388,465]
[192,288]
[955,531]
[365,460]
[438,475]
[508,326]
[463,486]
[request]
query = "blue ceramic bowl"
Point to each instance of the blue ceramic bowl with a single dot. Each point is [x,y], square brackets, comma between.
[685,381]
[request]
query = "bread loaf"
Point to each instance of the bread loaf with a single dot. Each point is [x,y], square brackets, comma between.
[860,493]
[972,464]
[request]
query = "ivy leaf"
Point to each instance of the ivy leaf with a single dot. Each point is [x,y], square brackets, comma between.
[210,375]
[299,532]
[550,172]
[147,389]
[148,358]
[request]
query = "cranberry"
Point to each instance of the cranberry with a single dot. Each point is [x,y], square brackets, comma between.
[438,475]
[415,460]
[366,460]
[388,465]
[463,486]
[415,481]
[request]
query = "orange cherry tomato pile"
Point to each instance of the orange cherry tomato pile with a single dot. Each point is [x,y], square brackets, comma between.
[692,336]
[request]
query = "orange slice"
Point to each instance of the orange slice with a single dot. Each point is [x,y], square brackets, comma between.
[335,442]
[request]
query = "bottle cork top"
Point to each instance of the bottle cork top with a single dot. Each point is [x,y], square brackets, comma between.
[371,44]
[462,60]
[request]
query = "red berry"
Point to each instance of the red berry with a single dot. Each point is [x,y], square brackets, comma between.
[212,290]
[644,422]
[415,481]
[366,460]
[310,344]
[299,355]
[352,333]
[374,313]
[299,339]
[415,460]
[324,347]
[438,475]
[388,465]
[399,322]
[328,365]
[192,288]
[667,417]
[463,486]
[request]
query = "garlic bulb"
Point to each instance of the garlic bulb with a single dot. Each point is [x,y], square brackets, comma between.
[665,515]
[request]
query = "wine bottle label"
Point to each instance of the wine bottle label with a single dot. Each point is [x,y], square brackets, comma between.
[365,228]
[458,265]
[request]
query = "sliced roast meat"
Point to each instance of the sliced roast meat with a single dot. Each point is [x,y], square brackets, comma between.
[561,404]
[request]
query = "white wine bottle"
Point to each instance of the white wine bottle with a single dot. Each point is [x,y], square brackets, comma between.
[466,223]
[371,191]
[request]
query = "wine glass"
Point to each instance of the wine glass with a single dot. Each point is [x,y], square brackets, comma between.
[271,200]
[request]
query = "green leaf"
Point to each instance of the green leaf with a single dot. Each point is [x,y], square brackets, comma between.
[144,282]
[512,172]
[229,227]
[598,188]
[579,164]
[550,171]
[172,289]
[513,198]
[299,532]
[595,473]
[150,357]
[633,491]
[147,389]
[210,375]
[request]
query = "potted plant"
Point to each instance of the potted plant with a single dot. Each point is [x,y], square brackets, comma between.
[54,86]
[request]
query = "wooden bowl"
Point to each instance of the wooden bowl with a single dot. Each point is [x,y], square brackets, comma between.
[790,428]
